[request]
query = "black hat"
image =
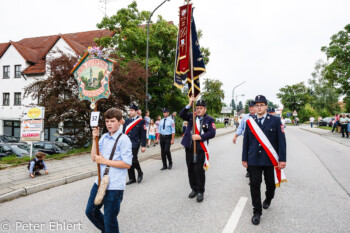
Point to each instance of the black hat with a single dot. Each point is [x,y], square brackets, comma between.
[201,103]
[133,106]
[165,110]
[260,99]
[251,103]
[270,109]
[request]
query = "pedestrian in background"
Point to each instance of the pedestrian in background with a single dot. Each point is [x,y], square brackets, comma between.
[37,164]
[167,135]
[312,119]
[139,113]
[343,121]
[173,116]
[157,125]
[184,126]
[152,130]
[226,121]
[348,123]
[147,119]
[318,120]
[336,121]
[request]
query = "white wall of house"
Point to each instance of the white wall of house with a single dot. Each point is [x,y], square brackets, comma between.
[14,85]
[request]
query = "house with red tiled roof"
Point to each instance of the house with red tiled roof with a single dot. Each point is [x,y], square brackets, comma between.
[24,61]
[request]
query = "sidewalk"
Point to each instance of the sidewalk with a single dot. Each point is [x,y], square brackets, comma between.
[15,182]
[337,137]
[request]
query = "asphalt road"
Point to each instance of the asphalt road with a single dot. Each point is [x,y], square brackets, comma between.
[315,199]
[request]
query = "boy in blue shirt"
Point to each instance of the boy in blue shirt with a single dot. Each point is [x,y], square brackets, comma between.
[119,166]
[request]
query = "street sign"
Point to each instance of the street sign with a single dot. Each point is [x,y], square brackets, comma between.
[289,114]
[226,110]
[295,113]
[34,113]
[92,73]
[31,130]
[94,119]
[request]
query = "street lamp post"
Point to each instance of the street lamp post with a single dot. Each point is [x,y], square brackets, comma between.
[149,19]
[233,90]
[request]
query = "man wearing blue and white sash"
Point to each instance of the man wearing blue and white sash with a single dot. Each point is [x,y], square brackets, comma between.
[264,151]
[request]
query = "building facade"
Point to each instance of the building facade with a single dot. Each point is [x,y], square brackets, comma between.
[25,61]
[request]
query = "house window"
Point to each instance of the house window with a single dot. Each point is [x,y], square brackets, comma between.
[17,98]
[17,71]
[6,72]
[6,99]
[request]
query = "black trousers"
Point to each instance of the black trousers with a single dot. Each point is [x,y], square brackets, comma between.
[135,165]
[165,143]
[344,128]
[196,173]
[255,176]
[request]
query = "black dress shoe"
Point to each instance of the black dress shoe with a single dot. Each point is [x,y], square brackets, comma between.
[247,175]
[200,197]
[140,177]
[163,168]
[256,219]
[130,182]
[266,204]
[170,166]
[192,194]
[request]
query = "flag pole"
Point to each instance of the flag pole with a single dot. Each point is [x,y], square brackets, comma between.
[98,153]
[192,86]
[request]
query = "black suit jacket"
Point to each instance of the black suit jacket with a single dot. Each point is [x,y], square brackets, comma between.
[254,153]
[137,134]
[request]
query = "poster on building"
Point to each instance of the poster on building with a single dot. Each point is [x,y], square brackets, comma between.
[226,110]
[31,130]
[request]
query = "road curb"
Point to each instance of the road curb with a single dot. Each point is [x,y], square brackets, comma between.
[323,135]
[70,179]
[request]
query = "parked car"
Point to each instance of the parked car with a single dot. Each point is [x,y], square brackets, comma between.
[48,148]
[327,121]
[71,141]
[63,145]
[26,147]
[7,149]
[288,121]
[6,139]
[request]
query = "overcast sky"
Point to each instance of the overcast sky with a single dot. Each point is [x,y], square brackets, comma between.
[267,43]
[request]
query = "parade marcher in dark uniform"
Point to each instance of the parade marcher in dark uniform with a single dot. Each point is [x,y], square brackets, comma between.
[263,133]
[226,120]
[205,130]
[135,128]
[166,131]
[271,111]
[242,126]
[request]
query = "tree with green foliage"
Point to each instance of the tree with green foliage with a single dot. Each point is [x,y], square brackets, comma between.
[213,95]
[337,72]
[239,106]
[294,96]
[271,104]
[324,97]
[130,43]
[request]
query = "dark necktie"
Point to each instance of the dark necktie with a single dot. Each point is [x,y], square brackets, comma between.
[259,121]
[164,123]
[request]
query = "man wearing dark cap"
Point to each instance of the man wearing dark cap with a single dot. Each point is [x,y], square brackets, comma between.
[166,131]
[135,128]
[197,162]
[271,111]
[264,151]
[242,125]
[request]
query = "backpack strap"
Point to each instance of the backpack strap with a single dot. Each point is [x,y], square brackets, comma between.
[112,153]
